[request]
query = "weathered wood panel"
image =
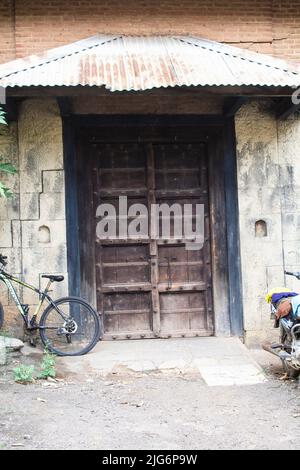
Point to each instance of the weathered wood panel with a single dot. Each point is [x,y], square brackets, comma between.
[152,288]
[184,275]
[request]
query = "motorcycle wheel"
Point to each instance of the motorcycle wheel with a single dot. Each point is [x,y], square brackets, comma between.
[292,373]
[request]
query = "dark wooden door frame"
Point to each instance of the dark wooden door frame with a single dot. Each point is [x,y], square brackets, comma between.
[219,132]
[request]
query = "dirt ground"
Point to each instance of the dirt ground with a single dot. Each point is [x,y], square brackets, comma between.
[148,411]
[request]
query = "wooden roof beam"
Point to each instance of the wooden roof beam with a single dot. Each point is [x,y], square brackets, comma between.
[229,91]
[232,105]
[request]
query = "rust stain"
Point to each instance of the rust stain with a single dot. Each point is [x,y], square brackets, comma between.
[140,63]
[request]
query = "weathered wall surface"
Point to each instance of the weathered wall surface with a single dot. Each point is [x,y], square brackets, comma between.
[32,224]
[268,171]
[10,236]
[289,167]
[159,101]
[269,26]
[33,232]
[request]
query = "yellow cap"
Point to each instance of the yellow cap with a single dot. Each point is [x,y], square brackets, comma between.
[277,290]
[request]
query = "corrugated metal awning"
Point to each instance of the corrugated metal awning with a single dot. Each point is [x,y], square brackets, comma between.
[124,63]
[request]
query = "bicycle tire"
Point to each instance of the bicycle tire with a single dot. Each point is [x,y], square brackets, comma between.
[92,312]
[1,316]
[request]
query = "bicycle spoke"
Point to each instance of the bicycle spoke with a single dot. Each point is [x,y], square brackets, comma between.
[54,327]
[60,313]
[70,327]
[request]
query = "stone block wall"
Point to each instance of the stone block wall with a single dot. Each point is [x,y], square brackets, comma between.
[269,190]
[33,226]
[10,241]
[33,229]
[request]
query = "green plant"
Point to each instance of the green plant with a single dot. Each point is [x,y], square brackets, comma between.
[5,167]
[48,366]
[4,333]
[24,374]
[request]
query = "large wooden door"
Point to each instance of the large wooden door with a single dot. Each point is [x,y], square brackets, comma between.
[150,288]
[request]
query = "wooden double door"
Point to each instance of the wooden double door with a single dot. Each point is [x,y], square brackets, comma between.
[146,287]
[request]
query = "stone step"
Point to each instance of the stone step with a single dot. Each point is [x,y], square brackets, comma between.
[8,345]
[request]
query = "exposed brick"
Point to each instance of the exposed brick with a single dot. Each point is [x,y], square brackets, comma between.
[29,27]
[7,30]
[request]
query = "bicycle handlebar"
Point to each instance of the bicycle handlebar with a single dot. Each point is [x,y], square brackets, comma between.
[297,274]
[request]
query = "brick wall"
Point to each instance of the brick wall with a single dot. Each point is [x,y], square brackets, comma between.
[7,30]
[270,26]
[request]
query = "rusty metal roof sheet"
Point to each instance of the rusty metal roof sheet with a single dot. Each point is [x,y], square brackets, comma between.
[123,63]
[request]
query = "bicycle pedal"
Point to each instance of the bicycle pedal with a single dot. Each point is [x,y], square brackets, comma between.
[276,345]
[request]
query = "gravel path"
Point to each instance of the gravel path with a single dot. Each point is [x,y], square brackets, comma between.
[154,411]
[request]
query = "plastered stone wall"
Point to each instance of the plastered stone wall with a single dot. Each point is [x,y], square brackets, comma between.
[32,223]
[10,243]
[269,189]
[289,166]
[33,231]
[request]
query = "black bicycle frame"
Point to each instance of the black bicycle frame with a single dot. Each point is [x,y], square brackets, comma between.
[8,279]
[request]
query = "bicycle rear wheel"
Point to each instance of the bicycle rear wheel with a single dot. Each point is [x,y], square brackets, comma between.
[70,327]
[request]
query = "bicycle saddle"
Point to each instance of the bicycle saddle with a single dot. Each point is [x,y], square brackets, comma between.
[53,278]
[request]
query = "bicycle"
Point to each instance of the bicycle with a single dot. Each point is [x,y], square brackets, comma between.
[68,326]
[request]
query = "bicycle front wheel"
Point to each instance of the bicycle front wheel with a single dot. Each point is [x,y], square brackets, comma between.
[70,327]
